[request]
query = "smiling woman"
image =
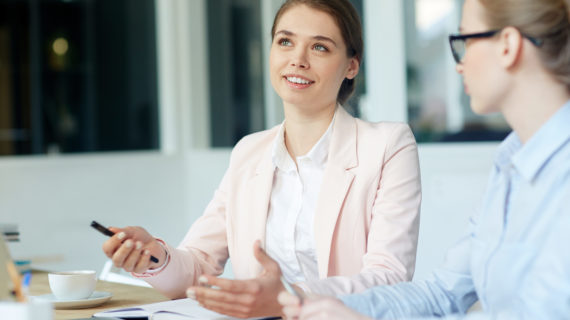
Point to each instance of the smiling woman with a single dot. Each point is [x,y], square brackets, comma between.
[333,200]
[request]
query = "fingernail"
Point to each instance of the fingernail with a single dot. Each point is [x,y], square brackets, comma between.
[139,245]
[121,235]
[203,280]
[146,252]
[129,244]
[191,294]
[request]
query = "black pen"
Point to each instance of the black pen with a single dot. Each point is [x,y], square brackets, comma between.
[110,233]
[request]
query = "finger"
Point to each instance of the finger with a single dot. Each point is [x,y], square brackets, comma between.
[286,299]
[233,286]
[111,245]
[115,229]
[133,257]
[135,233]
[144,262]
[219,300]
[320,308]
[292,312]
[203,294]
[266,261]
[122,253]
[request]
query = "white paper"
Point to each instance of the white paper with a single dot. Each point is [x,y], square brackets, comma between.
[173,309]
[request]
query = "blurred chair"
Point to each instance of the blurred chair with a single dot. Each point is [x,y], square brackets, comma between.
[113,274]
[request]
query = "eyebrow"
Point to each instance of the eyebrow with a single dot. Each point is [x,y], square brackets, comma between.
[317,37]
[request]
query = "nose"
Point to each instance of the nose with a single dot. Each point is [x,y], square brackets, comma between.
[299,59]
[459,68]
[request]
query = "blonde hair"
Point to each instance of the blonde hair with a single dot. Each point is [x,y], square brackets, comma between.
[545,20]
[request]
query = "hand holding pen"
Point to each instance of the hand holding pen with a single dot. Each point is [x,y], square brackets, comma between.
[133,249]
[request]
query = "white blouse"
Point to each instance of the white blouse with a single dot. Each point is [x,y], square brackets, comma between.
[290,236]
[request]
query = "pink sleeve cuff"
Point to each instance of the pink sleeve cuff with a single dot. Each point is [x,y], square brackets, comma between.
[154,272]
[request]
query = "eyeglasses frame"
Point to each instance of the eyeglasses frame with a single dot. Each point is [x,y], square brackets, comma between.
[479,35]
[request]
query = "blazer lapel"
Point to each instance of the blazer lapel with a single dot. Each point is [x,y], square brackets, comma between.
[335,185]
[259,192]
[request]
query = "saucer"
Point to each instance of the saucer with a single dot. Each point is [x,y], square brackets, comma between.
[97,298]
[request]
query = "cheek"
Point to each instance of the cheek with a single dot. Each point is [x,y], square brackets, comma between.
[272,62]
[275,66]
[334,73]
[486,88]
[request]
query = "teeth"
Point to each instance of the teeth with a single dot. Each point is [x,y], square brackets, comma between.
[297,80]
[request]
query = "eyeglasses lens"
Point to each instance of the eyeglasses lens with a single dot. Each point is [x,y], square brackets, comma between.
[458,46]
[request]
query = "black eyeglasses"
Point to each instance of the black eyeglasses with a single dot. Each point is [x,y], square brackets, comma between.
[457,42]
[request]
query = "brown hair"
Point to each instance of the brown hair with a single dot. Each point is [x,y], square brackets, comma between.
[348,22]
[545,20]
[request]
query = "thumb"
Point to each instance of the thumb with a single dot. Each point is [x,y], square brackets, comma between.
[115,229]
[265,260]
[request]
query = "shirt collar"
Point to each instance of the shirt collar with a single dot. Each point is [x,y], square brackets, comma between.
[318,153]
[529,158]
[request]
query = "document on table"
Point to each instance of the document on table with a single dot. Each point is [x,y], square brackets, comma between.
[173,309]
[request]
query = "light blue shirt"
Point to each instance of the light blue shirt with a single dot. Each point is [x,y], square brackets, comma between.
[515,255]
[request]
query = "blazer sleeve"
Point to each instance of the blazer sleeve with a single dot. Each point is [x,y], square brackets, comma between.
[204,249]
[393,235]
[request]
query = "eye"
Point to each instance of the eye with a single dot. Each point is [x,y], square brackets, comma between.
[320,47]
[284,42]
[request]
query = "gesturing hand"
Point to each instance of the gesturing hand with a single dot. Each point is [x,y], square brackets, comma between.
[243,298]
[317,308]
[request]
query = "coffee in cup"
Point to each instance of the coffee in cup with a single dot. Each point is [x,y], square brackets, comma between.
[72,285]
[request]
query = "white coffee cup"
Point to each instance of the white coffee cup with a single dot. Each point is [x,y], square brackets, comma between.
[72,285]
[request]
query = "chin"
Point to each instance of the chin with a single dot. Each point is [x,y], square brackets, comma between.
[477,109]
[480,108]
[296,98]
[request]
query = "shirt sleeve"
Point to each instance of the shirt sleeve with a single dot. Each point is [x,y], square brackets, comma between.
[449,290]
[392,238]
[544,293]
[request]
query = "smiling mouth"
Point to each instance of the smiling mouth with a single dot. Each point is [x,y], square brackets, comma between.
[297,80]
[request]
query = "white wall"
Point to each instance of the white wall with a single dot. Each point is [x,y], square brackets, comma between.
[454,177]
[53,200]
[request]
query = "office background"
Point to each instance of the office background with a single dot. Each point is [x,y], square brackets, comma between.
[124,111]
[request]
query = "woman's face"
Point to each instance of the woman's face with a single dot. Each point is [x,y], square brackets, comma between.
[483,77]
[308,59]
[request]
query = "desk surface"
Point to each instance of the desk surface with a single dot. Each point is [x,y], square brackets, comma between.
[123,296]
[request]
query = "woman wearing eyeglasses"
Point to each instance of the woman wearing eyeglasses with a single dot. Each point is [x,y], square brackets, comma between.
[514,56]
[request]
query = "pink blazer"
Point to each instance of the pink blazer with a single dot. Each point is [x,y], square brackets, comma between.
[366,220]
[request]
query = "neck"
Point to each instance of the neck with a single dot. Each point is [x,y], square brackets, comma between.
[535,100]
[303,129]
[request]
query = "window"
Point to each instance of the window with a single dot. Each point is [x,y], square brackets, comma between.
[235,70]
[438,109]
[77,76]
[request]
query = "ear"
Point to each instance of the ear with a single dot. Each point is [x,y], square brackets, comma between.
[510,47]
[353,67]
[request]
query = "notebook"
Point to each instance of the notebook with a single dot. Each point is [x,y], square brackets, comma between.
[173,309]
